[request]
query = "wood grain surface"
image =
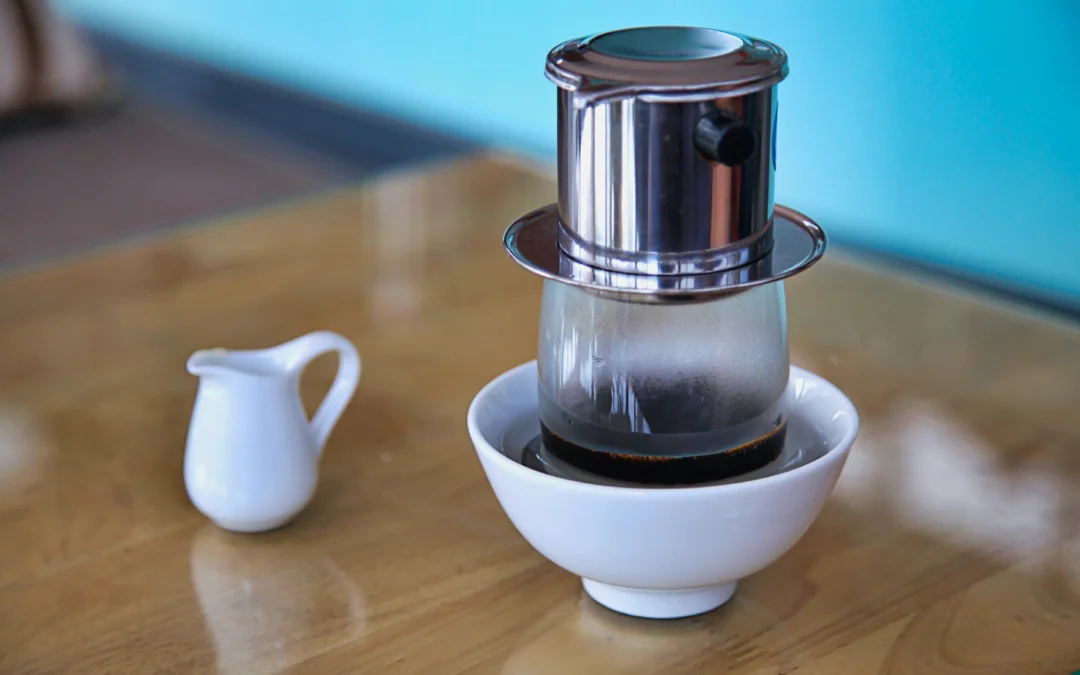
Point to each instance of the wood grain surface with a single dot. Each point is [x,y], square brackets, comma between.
[951,544]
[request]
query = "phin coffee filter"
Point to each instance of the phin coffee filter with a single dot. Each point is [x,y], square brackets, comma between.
[663,354]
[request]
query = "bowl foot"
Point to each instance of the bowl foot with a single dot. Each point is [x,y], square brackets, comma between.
[659,604]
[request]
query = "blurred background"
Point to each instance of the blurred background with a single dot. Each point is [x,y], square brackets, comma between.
[940,133]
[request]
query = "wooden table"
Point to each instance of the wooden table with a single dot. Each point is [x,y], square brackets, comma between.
[951,544]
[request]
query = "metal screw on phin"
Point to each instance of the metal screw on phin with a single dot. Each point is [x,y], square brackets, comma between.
[663,350]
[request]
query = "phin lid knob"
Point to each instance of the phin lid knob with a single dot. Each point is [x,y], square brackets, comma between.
[722,137]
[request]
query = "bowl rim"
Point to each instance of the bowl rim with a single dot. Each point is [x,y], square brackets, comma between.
[836,453]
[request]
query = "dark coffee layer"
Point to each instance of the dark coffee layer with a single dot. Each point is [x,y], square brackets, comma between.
[669,470]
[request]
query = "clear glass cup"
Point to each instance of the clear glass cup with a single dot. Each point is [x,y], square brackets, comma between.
[663,393]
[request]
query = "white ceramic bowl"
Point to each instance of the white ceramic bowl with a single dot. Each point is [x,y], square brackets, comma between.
[661,552]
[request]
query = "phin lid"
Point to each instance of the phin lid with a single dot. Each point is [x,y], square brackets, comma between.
[666,63]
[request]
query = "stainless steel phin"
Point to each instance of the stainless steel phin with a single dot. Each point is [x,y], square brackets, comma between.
[663,349]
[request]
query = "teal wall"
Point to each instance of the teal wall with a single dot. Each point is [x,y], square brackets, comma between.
[949,131]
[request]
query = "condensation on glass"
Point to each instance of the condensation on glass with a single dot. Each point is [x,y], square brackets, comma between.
[661,379]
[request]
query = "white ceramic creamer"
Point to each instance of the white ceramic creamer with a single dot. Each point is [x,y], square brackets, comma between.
[252,457]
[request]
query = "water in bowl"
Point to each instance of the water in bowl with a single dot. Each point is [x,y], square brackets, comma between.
[523,444]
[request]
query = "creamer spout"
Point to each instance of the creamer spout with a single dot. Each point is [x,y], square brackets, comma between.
[259,363]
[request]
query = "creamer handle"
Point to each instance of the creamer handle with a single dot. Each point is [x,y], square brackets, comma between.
[306,349]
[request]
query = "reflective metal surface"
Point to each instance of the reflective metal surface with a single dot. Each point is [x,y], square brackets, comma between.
[672,184]
[532,242]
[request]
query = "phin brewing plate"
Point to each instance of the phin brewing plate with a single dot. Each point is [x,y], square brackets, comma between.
[532,241]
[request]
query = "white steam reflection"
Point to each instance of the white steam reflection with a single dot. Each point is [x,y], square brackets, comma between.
[23,451]
[936,475]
